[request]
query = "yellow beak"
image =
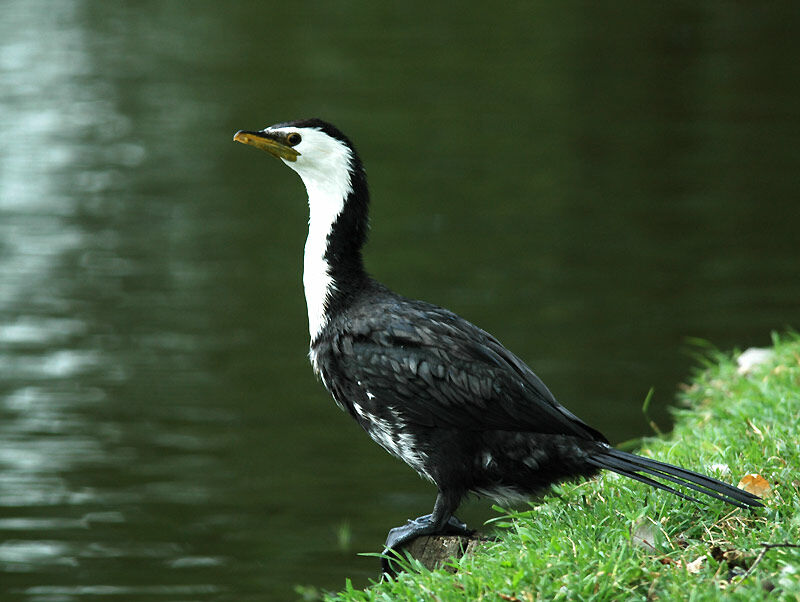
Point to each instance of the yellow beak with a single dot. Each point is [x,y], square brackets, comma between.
[274,147]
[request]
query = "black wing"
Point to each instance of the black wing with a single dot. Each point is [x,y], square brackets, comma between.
[435,369]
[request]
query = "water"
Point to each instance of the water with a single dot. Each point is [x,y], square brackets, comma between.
[591,184]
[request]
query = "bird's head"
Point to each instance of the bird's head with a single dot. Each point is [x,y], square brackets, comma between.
[323,157]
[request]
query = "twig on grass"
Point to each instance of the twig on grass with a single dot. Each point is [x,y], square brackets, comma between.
[765,547]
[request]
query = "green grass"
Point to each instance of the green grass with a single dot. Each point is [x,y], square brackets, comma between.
[612,538]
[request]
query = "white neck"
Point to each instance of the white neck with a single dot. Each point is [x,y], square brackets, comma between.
[325,206]
[324,166]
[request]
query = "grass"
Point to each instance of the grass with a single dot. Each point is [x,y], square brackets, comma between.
[611,538]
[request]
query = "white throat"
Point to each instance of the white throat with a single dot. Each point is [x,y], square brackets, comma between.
[324,165]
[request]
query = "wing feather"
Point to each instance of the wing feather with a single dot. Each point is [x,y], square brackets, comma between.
[437,370]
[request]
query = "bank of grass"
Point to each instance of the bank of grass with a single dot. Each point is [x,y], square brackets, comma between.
[612,538]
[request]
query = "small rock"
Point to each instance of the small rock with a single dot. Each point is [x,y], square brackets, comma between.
[752,357]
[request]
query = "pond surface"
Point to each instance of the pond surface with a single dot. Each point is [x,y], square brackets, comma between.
[596,186]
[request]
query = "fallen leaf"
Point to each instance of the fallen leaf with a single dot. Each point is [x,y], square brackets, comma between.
[755,484]
[643,534]
[695,565]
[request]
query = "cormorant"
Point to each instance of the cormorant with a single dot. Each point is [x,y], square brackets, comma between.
[428,386]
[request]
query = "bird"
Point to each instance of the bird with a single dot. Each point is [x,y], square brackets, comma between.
[428,386]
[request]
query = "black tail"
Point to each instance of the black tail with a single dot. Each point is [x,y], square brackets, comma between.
[632,466]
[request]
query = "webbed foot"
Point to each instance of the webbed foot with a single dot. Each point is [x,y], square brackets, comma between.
[424,525]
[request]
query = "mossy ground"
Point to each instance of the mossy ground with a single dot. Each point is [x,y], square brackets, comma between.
[612,538]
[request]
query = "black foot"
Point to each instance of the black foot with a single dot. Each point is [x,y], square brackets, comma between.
[424,525]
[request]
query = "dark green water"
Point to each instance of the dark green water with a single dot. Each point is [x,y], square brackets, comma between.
[592,183]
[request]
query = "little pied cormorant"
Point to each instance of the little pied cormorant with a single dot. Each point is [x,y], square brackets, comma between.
[425,384]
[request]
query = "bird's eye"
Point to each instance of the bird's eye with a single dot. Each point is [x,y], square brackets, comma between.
[293,139]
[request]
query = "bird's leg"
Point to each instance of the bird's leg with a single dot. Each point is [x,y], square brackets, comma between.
[441,521]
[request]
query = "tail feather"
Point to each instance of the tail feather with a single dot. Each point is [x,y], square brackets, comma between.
[623,469]
[632,466]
